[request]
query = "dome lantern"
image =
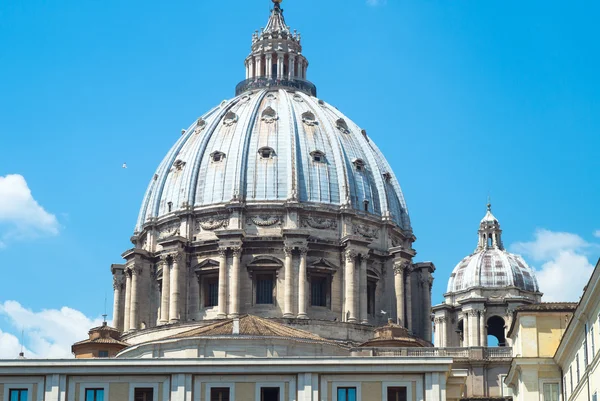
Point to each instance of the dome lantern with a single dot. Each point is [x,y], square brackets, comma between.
[276,58]
[490,234]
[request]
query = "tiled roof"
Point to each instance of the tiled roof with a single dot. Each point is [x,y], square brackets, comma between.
[249,325]
[107,340]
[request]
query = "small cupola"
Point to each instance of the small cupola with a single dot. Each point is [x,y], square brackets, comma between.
[103,342]
[490,234]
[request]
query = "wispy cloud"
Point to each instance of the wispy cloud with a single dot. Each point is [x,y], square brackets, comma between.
[375,3]
[48,333]
[21,216]
[597,233]
[563,265]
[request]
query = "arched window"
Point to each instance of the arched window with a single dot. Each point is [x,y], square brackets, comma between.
[266,152]
[489,241]
[496,327]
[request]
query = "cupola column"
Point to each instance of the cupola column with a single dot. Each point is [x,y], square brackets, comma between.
[399,289]
[222,314]
[280,68]
[133,319]
[258,61]
[235,282]
[165,290]
[175,290]
[127,300]
[302,285]
[269,64]
[350,286]
[252,67]
[289,280]
[291,60]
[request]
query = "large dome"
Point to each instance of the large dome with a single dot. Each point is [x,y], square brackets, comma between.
[491,266]
[274,145]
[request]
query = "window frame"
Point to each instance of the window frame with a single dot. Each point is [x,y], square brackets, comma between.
[258,386]
[256,277]
[19,389]
[134,385]
[211,385]
[543,382]
[14,383]
[205,283]
[328,282]
[93,386]
[407,384]
[336,385]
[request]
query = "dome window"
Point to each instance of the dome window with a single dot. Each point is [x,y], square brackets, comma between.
[309,119]
[266,152]
[269,115]
[170,206]
[217,156]
[387,176]
[318,156]
[230,118]
[342,126]
[359,164]
[366,205]
[200,125]
[298,98]
[179,164]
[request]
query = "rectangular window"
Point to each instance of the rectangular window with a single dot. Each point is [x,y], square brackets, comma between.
[319,291]
[396,394]
[571,377]
[550,391]
[94,394]
[565,387]
[577,365]
[346,393]
[143,394]
[17,394]
[269,394]
[219,394]
[592,342]
[585,345]
[371,298]
[264,289]
[102,354]
[595,396]
[211,292]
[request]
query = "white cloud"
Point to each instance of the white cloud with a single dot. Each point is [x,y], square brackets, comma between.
[597,233]
[48,333]
[375,3]
[21,217]
[563,264]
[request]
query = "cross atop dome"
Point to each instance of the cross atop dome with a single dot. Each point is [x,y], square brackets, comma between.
[490,234]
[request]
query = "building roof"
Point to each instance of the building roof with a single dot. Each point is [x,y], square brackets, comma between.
[251,326]
[394,335]
[541,307]
[102,335]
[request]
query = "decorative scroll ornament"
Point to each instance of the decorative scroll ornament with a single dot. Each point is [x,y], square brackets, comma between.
[200,125]
[401,266]
[269,115]
[212,223]
[230,119]
[309,119]
[320,223]
[170,230]
[365,231]
[265,220]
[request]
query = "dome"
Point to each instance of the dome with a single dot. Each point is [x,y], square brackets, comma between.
[274,145]
[491,266]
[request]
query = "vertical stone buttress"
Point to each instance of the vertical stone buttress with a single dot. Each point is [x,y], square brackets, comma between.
[222,314]
[302,285]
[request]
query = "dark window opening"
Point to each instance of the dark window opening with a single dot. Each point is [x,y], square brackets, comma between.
[266,153]
[94,394]
[319,291]
[264,289]
[371,298]
[366,205]
[346,393]
[396,394]
[269,394]
[219,394]
[19,394]
[143,394]
[460,331]
[496,329]
[102,354]
[211,291]
[170,206]
[489,241]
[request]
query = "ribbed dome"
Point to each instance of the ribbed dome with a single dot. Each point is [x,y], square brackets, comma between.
[491,266]
[274,145]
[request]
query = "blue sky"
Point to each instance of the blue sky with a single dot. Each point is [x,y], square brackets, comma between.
[465,98]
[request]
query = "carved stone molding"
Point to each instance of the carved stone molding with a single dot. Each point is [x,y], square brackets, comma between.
[351,253]
[320,223]
[264,220]
[170,230]
[212,223]
[365,231]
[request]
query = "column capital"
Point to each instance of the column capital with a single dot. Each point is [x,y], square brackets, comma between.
[222,251]
[236,251]
[350,253]
[288,250]
[303,251]
[400,266]
[118,282]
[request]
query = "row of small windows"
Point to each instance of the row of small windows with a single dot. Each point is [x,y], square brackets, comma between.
[350,394]
[98,394]
[588,349]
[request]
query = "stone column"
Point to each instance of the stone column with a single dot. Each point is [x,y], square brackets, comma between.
[165,290]
[194,296]
[362,288]
[269,65]
[280,68]
[482,330]
[444,332]
[175,290]
[133,309]
[118,290]
[289,281]
[247,70]
[258,66]
[473,332]
[350,286]
[466,329]
[235,282]
[292,60]
[427,281]
[408,288]
[302,299]
[399,289]
[127,300]
[222,314]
